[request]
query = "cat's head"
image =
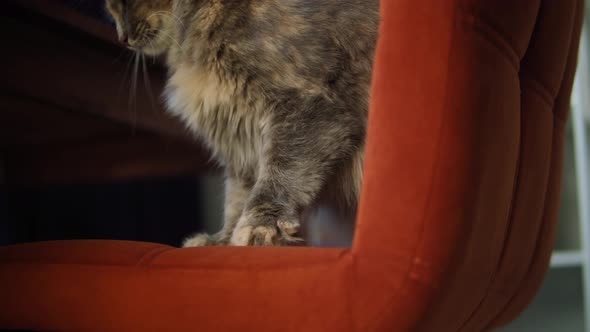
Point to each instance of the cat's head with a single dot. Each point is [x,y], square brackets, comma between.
[143,25]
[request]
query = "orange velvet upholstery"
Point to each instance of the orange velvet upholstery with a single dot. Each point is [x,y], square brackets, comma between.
[457,216]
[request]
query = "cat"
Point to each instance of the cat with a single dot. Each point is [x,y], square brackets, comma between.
[277,89]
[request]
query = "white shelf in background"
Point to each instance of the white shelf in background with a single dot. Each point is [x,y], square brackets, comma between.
[569,258]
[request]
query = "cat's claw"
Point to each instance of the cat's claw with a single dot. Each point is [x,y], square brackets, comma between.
[255,236]
[288,227]
[241,236]
[266,235]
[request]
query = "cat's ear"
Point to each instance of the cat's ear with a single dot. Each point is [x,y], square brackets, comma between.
[116,9]
[178,4]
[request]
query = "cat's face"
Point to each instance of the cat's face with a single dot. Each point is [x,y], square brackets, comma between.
[143,25]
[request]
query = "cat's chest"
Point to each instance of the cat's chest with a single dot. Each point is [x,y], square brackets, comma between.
[232,128]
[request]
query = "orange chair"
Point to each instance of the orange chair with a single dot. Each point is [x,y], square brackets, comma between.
[457,217]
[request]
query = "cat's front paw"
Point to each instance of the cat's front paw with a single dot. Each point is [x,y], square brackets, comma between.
[256,236]
[201,240]
[264,233]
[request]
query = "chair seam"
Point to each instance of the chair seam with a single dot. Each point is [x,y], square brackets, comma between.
[558,123]
[147,258]
[542,227]
[492,35]
[160,267]
[377,319]
[508,231]
[539,88]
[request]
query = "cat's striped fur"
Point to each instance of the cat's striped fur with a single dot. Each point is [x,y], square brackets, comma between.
[279,91]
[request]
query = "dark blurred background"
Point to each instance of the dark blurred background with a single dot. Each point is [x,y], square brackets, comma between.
[79,158]
[160,210]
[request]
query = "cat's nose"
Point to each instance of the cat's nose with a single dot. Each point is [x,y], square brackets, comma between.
[124,39]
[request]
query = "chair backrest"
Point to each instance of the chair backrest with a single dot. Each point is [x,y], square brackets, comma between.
[464,158]
[457,217]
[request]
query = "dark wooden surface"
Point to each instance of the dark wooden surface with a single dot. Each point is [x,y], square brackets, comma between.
[66,115]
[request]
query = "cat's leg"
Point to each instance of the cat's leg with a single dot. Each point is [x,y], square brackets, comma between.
[270,218]
[236,193]
[301,154]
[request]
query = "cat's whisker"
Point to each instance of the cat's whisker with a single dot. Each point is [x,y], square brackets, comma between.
[133,92]
[126,72]
[166,14]
[153,47]
[172,38]
[121,54]
[147,83]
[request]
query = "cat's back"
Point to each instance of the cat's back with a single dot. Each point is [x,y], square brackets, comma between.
[341,17]
[353,22]
[311,19]
[341,13]
[305,42]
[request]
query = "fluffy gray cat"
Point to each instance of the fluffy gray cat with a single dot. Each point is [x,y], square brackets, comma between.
[279,91]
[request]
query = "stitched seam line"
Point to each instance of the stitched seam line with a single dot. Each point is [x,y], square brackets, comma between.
[535,253]
[378,318]
[171,267]
[507,231]
[493,36]
[541,90]
[537,87]
[558,123]
[147,259]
